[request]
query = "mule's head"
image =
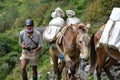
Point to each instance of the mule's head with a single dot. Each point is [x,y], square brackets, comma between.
[83,40]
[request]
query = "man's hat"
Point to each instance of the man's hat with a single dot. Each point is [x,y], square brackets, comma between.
[29,22]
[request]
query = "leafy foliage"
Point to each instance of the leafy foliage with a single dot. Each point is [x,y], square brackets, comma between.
[9,52]
[8,14]
[98,11]
[7,63]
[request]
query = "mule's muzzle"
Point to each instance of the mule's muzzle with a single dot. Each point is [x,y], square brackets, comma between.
[84,57]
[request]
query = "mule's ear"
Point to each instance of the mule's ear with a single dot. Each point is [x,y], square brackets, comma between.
[81,26]
[87,27]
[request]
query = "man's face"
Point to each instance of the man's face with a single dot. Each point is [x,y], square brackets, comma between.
[29,28]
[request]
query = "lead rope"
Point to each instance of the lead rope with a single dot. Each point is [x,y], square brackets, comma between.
[61,56]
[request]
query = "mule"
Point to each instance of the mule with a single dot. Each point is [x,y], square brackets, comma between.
[73,47]
[100,54]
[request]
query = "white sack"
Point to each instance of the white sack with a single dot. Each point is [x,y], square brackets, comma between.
[50,33]
[105,35]
[71,17]
[54,27]
[114,40]
[58,22]
[115,15]
[111,33]
[70,13]
[73,20]
[59,12]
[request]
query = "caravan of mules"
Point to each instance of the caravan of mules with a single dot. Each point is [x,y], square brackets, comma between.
[75,40]
[98,55]
[73,45]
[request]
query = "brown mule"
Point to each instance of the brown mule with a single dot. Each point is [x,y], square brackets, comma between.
[100,54]
[74,40]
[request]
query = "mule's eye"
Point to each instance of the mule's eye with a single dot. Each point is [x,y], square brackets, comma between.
[80,41]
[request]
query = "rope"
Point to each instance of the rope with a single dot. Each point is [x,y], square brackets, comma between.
[110,31]
[61,56]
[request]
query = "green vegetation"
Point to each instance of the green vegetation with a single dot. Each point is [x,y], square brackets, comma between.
[14,12]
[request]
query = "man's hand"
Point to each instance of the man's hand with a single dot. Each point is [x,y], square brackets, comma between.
[36,50]
[23,45]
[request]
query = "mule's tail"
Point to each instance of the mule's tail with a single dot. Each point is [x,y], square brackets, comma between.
[92,54]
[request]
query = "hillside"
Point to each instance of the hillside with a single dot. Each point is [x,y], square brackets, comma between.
[14,12]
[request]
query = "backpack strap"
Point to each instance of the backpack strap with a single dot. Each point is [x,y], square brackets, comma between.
[32,40]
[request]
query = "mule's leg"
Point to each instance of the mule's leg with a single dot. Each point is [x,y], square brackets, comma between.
[55,67]
[66,76]
[71,69]
[101,56]
[69,65]
[61,66]
[99,70]
[78,67]
[55,63]
[107,67]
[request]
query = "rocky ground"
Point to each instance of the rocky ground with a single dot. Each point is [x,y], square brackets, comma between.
[83,72]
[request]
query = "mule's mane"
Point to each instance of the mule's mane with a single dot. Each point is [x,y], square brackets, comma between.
[73,27]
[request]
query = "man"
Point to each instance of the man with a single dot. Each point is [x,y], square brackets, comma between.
[31,42]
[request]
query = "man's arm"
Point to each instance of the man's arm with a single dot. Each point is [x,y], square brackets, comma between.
[21,42]
[40,43]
